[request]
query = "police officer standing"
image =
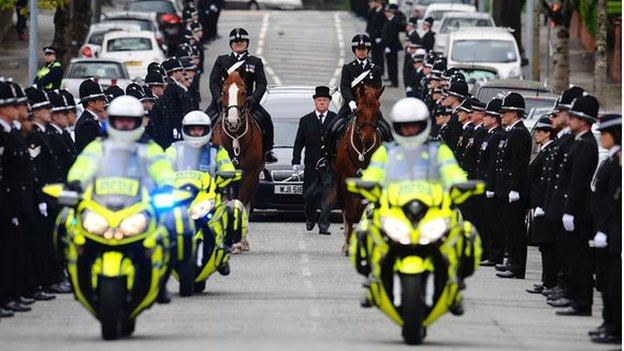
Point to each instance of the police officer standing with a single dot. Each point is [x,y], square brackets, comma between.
[49,76]
[209,11]
[391,42]
[428,39]
[89,125]
[316,180]
[255,83]
[374,27]
[176,100]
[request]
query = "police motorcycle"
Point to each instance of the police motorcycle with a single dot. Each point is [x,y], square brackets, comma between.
[206,171]
[411,242]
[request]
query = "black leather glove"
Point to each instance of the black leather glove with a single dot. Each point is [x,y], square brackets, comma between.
[75,186]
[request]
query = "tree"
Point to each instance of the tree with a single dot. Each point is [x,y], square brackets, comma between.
[561,15]
[600,56]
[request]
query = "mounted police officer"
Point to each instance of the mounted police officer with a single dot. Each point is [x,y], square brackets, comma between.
[49,76]
[251,69]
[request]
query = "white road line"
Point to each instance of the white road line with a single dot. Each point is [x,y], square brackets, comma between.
[341,47]
[260,49]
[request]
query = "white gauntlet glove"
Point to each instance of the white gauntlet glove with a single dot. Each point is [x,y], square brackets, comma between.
[43,209]
[513,196]
[600,240]
[568,222]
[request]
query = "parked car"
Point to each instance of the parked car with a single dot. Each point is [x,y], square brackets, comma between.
[485,91]
[279,189]
[264,4]
[452,21]
[135,49]
[146,20]
[438,10]
[107,72]
[93,42]
[419,6]
[168,16]
[494,47]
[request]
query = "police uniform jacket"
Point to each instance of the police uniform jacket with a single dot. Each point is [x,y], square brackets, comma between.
[49,77]
[62,149]
[354,69]
[608,187]
[537,175]
[413,81]
[455,130]
[462,143]
[390,34]
[488,150]
[252,71]
[16,177]
[160,128]
[375,23]
[87,129]
[428,39]
[176,103]
[512,163]
[554,159]
[47,168]
[468,160]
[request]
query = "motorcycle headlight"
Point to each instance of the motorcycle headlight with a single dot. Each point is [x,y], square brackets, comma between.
[396,229]
[201,209]
[94,223]
[134,225]
[432,230]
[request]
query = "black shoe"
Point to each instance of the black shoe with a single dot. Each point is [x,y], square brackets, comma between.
[163,296]
[225,269]
[58,288]
[364,303]
[458,309]
[562,302]
[601,329]
[324,232]
[39,295]
[16,307]
[571,311]
[606,338]
[487,263]
[509,275]
[502,267]
[270,157]
[310,224]
[25,300]
[535,289]
[4,313]
[549,291]
[539,286]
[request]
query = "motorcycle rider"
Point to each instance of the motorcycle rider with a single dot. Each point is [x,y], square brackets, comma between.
[410,128]
[196,151]
[124,131]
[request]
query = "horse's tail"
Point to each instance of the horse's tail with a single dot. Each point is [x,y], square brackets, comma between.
[333,192]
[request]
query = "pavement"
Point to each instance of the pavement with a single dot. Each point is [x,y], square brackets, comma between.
[294,290]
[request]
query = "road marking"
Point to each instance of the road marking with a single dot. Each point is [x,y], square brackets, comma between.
[341,49]
[260,50]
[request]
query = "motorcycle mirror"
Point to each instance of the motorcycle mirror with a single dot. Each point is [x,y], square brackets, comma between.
[69,198]
[460,192]
[226,177]
[369,190]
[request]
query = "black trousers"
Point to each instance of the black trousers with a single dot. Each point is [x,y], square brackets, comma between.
[392,62]
[613,295]
[377,55]
[514,216]
[550,266]
[316,195]
[580,266]
[498,229]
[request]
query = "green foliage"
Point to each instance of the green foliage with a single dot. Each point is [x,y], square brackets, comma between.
[43,4]
[588,11]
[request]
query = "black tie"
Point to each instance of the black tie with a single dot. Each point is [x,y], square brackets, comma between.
[321,118]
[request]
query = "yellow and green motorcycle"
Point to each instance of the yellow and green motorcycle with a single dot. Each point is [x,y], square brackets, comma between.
[415,250]
[116,249]
[219,224]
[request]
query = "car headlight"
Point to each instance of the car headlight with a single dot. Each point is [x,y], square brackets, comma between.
[432,230]
[396,230]
[134,225]
[513,73]
[201,209]
[94,223]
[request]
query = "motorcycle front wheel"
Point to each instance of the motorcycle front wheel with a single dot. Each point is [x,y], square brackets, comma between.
[112,295]
[186,273]
[412,308]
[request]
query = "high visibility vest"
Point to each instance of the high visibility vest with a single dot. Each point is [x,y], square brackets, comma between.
[43,71]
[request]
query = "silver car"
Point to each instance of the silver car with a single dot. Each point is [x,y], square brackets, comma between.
[107,72]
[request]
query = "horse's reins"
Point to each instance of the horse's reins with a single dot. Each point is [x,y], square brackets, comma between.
[225,124]
[365,151]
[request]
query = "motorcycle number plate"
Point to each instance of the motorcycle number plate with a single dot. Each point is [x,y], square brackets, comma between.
[289,189]
[116,186]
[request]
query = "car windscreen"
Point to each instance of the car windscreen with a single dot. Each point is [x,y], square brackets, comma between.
[488,93]
[474,74]
[144,24]
[483,51]
[152,6]
[107,70]
[129,44]
[96,38]
[285,132]
[456,23]
[531,103]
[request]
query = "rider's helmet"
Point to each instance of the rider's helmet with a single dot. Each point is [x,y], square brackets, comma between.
[196,119]
[413,113]
[360,40]
[239,34]
[127,107]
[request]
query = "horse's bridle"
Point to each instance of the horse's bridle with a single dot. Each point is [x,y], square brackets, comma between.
[357,128]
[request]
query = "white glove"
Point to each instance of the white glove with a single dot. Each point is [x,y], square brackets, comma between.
[408,89]
[513,196]
[600,240]
[296,169]
[387,50]
[568,222]
[377,40]
[353,106]
[489,194]
[43,209]
[538,212]
[15,221]
[214,8]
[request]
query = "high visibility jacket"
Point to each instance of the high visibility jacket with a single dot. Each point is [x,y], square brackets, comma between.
[435,163]
[217,158]
[152,162]
[49,76]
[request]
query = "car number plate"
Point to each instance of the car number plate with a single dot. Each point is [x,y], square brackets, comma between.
[289,189]
[134,63]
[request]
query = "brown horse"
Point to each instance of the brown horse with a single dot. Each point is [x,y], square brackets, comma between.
[238,132]
[358,143]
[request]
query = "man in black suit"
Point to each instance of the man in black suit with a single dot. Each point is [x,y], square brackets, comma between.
[316,180]
[391,42]
[374,26]
[251,69]
[89,125]
[573,195]
[176,98]
[428,39]
[512,183]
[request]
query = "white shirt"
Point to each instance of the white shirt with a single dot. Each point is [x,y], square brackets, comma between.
[318,115]
[40,125]
[563,132]
[57,128]
[613,151]
[542,147]
[513,125]
[578,136]
[363,63]
[181,85]
[5,125]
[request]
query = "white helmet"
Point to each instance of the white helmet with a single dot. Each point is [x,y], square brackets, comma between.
[125,106]
[410,112]
[192,119]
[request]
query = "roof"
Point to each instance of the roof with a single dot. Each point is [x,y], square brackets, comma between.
[129,34]
[129,15]
[104,26]
[90,59]
[466,15]
[450,7]
[516,83]
[482,33]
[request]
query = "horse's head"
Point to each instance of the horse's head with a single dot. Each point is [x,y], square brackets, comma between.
[368,113]
[233,99]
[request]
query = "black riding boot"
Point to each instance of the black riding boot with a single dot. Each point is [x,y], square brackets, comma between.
[270,156]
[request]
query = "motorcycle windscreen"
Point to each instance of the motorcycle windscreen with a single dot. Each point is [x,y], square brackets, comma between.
[413,175]
[121,176]
[193,165]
